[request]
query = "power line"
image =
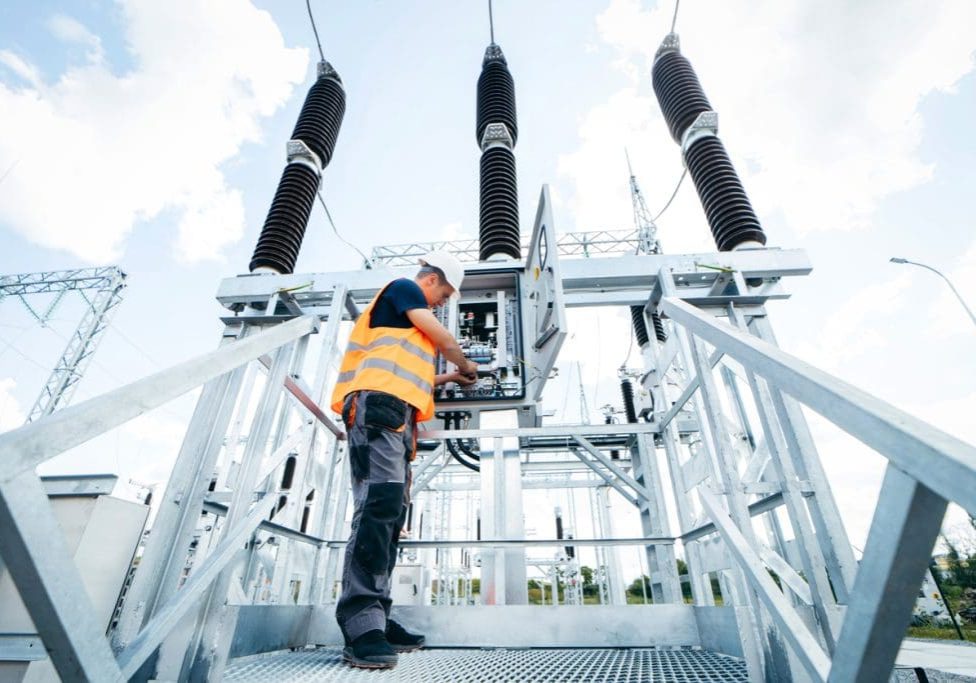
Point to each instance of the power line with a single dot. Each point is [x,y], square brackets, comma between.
[336,231]
[7,172]
[491,22]
[630,347]
[673,195]
[10,345]
[599,354]
[109,373]
[135,346]
[674,19]
[311,18]
[569,379]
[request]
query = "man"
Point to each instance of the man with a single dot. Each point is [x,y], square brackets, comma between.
[385,388]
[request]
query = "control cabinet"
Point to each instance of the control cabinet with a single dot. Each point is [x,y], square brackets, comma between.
[487,323]
[510,319]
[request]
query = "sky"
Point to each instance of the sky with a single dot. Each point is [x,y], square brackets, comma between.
[151,135]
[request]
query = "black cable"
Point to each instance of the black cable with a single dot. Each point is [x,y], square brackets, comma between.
[673,195]
[457,456]
[328,215]
[453,449]
[308,4]
[464,447]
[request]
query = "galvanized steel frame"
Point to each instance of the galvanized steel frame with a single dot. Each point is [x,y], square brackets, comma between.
[30,538]
[866,608]
[926,469]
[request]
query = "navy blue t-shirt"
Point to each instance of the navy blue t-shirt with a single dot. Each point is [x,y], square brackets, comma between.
[391,308]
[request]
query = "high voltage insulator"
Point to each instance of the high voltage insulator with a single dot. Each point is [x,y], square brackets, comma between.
[498,220]
[318,123]
[627,391]
[678,92]
[309,152]
[694,126]
[614,453]
[284,228]
[659,332]
[730,214]
[640,327]
[497,131]
[496,95]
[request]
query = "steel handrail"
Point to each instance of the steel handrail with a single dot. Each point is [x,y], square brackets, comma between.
[931,456]
[25,448]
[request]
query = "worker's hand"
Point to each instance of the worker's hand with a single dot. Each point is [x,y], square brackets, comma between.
[464,380]
[468,369]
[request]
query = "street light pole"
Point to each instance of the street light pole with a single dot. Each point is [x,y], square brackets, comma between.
[933,569]
[972,317]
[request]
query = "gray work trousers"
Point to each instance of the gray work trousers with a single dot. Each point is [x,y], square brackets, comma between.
[380,430]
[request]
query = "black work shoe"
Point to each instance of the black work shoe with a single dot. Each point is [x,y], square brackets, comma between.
[370,651]
[402,640]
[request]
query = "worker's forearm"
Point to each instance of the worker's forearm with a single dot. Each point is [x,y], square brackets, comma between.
[453,353]
[444,378]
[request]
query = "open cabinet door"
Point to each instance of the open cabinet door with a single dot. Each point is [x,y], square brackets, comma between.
[544,312]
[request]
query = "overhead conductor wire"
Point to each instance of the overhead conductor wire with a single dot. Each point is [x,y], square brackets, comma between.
[674,21]
[491,23]
[308,4]
[673,195]
[328,215]
[366,261]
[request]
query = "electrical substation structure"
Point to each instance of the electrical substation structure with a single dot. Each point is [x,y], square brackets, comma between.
[238,576]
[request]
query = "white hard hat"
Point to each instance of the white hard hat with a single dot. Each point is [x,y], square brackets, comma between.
[449,265]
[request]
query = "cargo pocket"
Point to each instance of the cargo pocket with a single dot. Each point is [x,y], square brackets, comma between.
[359,461]
[384,411]
[382,509]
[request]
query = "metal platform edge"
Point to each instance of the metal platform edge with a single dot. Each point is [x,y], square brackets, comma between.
[263,628]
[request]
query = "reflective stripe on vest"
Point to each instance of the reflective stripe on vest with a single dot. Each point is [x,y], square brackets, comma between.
[397,361]
[392,341]
[389,366]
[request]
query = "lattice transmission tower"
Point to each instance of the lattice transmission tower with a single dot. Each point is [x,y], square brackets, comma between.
[101,289]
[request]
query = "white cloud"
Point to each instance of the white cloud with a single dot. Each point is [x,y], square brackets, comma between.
[98,152]
[455,230]
[868,311]
[71,30]
[156,437]
[11,414]
[818,104]
[20,67]
[210,221]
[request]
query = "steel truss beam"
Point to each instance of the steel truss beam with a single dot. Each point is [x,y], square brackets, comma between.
[106,284]
[617,281]
[593,243]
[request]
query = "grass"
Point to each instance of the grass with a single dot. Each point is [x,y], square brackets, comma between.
[942,632]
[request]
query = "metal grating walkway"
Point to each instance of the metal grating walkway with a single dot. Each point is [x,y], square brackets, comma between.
[536,665]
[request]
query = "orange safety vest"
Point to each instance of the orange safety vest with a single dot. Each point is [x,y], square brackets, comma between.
[389,359]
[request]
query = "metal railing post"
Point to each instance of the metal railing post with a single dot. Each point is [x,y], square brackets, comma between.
[831,534]
[723,459]
[161,566]
[211,642]
[783,462]
[905,526]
